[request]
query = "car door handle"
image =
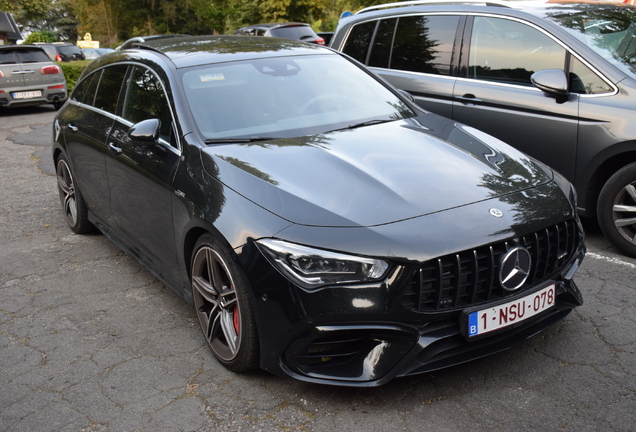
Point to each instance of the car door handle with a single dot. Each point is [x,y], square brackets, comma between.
[114,148]
[72,127]
[468,99]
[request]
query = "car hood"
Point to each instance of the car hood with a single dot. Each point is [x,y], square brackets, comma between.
[374,175]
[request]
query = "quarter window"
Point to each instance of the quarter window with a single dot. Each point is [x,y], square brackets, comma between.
[509,51]
[358,42]
[584,81]
[85,91]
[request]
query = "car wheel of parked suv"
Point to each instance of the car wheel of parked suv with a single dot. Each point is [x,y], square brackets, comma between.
[73,204]
[617,209]
[221,301]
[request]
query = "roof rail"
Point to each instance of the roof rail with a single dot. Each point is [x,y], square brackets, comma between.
[431,2]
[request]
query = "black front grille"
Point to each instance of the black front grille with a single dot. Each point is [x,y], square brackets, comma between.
[470,277]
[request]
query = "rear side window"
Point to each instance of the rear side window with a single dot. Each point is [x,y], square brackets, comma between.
[510,52]
[109,88]
[358,42]
[422,43]
[425,44]
[85,90]
[7,57]
[382,42]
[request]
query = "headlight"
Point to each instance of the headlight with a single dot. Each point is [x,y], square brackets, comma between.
[312,268]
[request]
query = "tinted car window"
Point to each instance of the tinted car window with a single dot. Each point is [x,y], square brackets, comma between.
[424,44]
[509,51]
[85,90]
[109,87]
[7,57]
[32,56]
[358,42]
[293,32]
[381,51]
[146,99]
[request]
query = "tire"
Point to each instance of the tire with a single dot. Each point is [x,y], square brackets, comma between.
[73,204]
[57,105]
[616,209]
[221,301]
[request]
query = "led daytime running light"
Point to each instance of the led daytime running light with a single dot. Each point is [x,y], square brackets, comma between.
[312,268]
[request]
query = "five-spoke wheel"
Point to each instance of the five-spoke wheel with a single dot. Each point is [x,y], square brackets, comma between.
[71,199]
[219,290]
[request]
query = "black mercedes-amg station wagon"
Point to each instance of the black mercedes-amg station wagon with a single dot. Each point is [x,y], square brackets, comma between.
[322,224]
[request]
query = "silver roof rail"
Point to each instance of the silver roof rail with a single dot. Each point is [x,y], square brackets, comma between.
[431,2]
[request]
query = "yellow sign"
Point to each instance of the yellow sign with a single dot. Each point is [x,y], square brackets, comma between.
[87,42]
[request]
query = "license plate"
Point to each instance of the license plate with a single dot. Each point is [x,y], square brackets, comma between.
[27,94]
[507,314]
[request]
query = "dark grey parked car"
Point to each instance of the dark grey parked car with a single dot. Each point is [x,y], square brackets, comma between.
[556,80]
[61,51]
[287,30]
[28,77]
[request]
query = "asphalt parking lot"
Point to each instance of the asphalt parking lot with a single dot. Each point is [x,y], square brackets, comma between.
[90,341]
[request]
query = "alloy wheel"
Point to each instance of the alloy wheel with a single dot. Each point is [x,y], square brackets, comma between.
[66,188]
[216,303]
[624,212]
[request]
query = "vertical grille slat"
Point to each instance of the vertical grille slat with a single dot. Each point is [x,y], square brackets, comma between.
[471,277]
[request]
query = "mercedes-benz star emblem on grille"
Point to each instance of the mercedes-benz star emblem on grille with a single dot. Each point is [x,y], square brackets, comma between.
[514,268]
[496,212]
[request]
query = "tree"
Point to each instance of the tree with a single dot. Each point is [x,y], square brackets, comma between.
[41,36]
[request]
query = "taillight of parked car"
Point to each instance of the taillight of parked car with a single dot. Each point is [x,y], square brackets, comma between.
[48,70]
[53,87]
[320,41]
[58,58]
[1,74]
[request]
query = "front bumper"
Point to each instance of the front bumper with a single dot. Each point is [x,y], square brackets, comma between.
[366,335]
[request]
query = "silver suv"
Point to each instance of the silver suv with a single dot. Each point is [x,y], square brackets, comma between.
[29,77]
[555,79]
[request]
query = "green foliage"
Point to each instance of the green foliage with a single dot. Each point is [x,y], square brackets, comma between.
[41,36]
[113,21]
[72,71]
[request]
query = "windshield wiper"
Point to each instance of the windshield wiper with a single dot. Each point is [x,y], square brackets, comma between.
[236,140]
[369,123]
[365,123]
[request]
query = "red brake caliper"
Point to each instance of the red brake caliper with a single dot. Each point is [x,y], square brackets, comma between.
[235,316]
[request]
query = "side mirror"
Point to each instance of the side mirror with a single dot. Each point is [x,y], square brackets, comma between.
[145,132]
[551,81]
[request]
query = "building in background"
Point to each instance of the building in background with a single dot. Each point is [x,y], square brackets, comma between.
[9,32]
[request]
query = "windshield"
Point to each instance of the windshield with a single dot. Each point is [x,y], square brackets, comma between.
[607,29]
[286,97]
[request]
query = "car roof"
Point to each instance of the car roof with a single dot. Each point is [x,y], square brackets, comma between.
[536,7]
[21,47]
[54,43]
[198,50]
[276,25]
